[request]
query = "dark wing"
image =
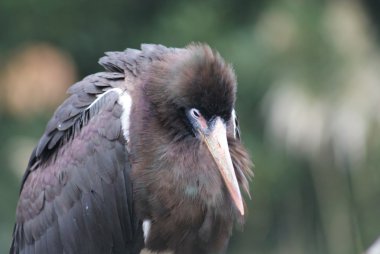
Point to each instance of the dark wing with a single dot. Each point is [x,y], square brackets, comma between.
[76,195]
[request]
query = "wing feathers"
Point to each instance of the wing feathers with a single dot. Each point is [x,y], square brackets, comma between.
[77,188]
[73,111]
[54,244]
[84,193]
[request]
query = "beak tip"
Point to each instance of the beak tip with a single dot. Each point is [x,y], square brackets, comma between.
[240,207]
[237,200]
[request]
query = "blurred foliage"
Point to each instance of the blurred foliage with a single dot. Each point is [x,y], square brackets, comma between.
[308,103]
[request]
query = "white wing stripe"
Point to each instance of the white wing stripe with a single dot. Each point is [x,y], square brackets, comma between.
[100,96]
[125,101]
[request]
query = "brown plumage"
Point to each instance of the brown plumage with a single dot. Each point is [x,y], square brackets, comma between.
[174,160]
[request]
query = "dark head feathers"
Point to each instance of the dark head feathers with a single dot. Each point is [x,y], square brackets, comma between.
[195,78]
[134,61]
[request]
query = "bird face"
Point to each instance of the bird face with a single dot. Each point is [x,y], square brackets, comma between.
[189,103]
[214,135]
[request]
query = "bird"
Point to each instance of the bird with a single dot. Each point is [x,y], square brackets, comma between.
[145,154]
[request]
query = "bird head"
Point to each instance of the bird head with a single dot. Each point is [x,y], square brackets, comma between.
[192,94]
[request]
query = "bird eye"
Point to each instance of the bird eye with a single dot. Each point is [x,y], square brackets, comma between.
[195,113]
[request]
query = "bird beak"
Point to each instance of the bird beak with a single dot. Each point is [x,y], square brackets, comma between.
[216,142]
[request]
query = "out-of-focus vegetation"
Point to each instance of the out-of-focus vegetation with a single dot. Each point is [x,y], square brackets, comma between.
[308,101]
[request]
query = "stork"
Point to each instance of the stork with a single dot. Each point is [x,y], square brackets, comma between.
[146,154]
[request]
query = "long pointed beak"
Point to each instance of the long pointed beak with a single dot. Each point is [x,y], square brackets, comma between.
[216,142]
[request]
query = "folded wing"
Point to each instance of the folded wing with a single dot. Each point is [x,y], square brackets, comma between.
[76,195]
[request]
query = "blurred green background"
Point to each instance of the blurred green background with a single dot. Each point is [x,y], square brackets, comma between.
[308,101]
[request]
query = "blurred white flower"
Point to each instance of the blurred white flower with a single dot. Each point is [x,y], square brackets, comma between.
[340,117]
[375,248]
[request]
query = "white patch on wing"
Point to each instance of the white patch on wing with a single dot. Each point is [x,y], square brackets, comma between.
[234,121]
[125,101]
[100,96]
[146,228]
